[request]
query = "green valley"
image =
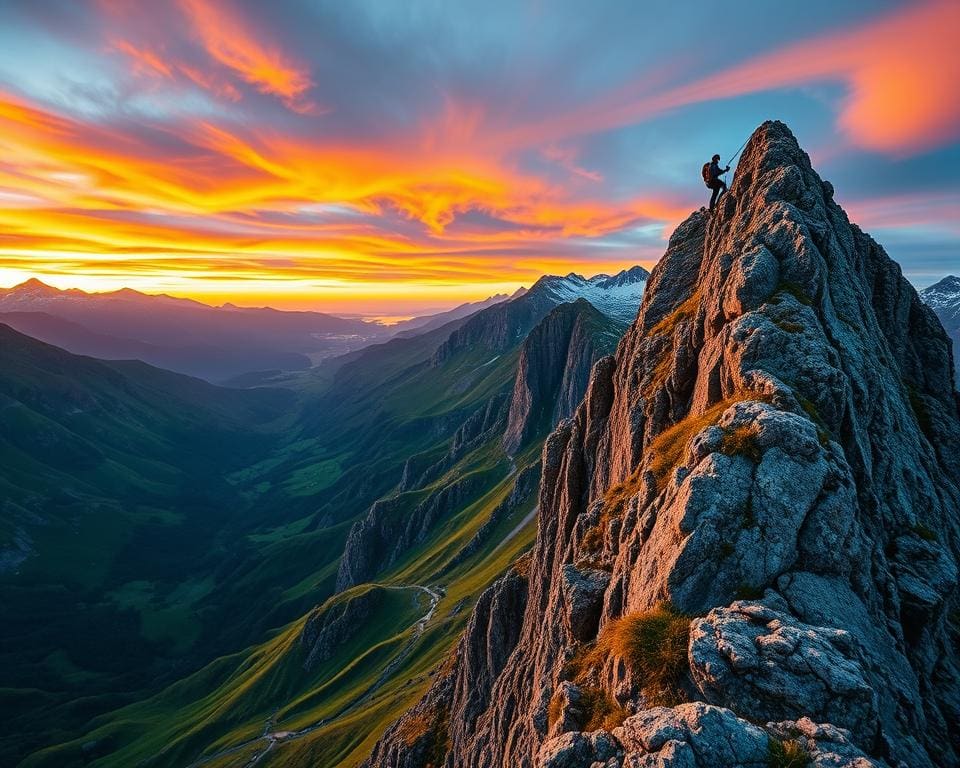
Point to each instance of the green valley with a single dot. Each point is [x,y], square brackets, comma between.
[270,573]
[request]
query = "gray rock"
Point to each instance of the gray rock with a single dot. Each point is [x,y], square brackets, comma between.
[751,658]
[826,745]
[753,279]
[583,597]
[579,750]
[693,735]
[783,414]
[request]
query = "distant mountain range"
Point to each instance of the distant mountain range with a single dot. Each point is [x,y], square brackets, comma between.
[417,325]
[213,343]
[943,298]
[244,344]
[617,296]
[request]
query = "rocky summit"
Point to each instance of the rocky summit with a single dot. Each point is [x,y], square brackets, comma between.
[748,530]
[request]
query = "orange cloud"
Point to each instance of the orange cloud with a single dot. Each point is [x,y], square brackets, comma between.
[197,202]
[248,206]
[150,63]
[930,211]
[901,72]
[228,40]
[567,158]
[145,61]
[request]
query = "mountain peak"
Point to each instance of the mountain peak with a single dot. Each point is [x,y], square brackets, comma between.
[943,292]
[505,324]
[34,287]
[773,449]
[943,298]
[616,296]
[950,282]
[631,276]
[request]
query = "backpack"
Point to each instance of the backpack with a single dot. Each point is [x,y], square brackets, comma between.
[706,175]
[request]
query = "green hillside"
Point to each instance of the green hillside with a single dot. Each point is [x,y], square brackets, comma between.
[114,494]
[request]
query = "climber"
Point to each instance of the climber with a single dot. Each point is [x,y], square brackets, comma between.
[711,177]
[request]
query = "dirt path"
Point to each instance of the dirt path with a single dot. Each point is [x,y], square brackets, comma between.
[519,527]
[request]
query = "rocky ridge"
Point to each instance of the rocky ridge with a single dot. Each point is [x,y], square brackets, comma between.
[757,495]
[334,623]
[500,327]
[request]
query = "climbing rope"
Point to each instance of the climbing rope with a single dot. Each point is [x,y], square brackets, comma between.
[737,152]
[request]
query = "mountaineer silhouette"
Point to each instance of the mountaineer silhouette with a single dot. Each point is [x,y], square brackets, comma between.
[711,177]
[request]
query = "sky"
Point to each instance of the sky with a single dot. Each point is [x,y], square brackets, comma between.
[389,158]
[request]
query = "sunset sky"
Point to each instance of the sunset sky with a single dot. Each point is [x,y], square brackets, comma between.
[389,157]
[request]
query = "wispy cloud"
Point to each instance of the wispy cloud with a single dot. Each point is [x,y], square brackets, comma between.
[229,41]
[899,71]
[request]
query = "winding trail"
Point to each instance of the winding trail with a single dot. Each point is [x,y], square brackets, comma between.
[274,738]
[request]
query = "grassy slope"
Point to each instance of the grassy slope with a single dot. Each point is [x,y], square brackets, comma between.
[229,702]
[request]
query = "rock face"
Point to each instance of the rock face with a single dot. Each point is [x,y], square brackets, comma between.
[554,369]
[420,470]
[392,527]
[774,453]
[462,689]
[763,661]
[334,623]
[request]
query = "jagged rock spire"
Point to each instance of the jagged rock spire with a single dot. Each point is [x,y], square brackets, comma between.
[774,453]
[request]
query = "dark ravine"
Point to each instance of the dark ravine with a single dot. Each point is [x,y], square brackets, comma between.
[771,458]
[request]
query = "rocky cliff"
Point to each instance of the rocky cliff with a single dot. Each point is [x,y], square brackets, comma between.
[749,530]
[554,369]
[551,377]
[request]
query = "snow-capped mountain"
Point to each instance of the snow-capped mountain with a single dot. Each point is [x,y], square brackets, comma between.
[617,296]
[944,299]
